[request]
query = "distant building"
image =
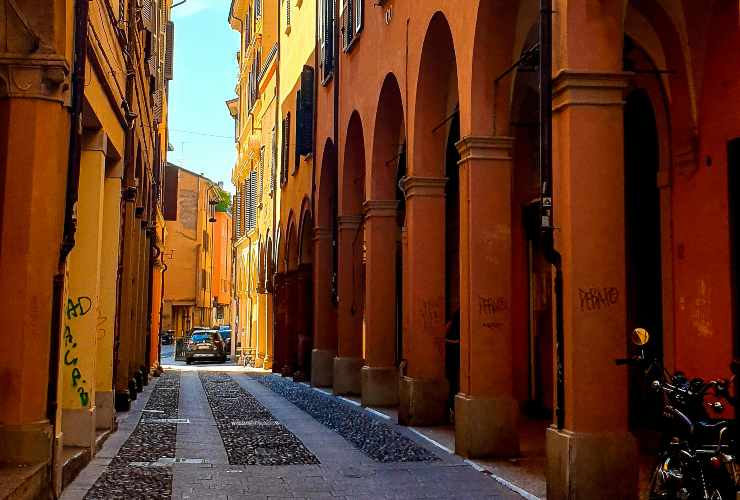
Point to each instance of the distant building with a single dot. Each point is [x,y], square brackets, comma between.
[195,235]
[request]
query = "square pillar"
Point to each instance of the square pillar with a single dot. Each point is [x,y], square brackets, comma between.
[594,446]
[380,375]
[324,312]
[347,364]
[79,337]
[424,390]
[106,324]
[486,413]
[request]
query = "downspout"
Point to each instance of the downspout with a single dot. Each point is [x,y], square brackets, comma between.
[273,252]
[546,206]
[82,8]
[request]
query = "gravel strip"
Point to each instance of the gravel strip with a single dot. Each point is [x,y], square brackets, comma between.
[147,443]
[377,439]
[250,433]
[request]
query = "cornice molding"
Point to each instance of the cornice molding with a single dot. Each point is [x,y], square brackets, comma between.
[37,76]
[588,88]
[429,187]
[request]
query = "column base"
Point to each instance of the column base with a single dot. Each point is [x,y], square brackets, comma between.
[322,368]
[105,412]
[347,375]
[486,427]
[78,427]
[26,444]
[379,386]
[585,465]
[258,362]
[423,402]
[123,401]
[267,363]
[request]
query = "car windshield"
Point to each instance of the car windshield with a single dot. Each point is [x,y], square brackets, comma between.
[202,337]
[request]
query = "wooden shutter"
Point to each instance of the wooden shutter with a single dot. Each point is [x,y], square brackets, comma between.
[306,105]
[358,15]
[169,62]
[328,37]
[147,15]
[286,151]
[236,212]
[252,199]
[287,12]
[261,176]
[273,163]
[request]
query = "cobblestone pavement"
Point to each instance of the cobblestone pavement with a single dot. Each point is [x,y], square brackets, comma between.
[323,463]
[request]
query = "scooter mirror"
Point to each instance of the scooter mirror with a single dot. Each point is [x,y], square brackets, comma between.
[640,336]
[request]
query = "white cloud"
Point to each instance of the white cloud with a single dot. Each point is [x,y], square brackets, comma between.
[190,7]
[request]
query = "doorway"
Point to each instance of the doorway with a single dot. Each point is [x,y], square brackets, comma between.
[643,248]
[452,262]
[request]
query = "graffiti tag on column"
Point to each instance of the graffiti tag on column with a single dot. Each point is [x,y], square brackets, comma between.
[75,310]
[596,299]
[488,307]
[431,312]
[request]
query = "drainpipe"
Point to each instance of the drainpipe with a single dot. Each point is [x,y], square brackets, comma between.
[81,14]
[546,206]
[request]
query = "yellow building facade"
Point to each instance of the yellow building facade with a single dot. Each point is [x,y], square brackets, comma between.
[257,200]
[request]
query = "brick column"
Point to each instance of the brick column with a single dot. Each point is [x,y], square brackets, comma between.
[589,209]
[379,375]
[349,361]
[324,313]
[485,410]
[424,390]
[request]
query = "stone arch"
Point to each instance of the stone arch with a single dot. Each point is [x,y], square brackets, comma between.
[491,56]
[292,257]
[437,99]
[352,172]
[389,141]
[305,234]
[328,190]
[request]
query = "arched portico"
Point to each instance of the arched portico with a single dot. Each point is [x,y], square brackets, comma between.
[325,235]
[383,218]
[351,267]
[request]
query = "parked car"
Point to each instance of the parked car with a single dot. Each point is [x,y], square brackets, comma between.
[205,345]
[168,336]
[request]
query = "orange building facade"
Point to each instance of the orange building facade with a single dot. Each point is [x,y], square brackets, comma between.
[429,288]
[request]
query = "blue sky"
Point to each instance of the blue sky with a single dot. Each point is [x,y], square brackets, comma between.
[205,76]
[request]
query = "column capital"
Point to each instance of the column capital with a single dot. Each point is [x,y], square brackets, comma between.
[321,233]
[349,221]
[380,208]
[43,76]
[430,187]
[487,148]
[95,140]
[588,88]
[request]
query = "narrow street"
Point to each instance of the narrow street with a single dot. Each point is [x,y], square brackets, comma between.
[220,431]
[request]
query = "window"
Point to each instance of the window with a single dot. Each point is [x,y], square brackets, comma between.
[261,173]
[273,162]
[352,14]
[252,208]
[287,14]
[285,151]
[305,114]
[326,34]
[257,9]
[203,279]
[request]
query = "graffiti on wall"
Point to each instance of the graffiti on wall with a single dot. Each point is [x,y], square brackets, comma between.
[75,310]
[597,299]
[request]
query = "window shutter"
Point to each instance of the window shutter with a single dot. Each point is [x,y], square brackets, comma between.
[253,199]
[328,37]
[257,9]
[169,64]
[306,105]
[359,15]
[273,163]
[235,204]
[287,12]
[298,131]
[347,23]
[260,178]
[286,151]
[245,200]
[147,18]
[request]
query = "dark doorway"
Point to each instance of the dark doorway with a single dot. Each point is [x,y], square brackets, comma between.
[643,252]
[733,205]
[452,262]
[400,223]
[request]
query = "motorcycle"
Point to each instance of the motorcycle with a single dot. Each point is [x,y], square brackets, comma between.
[696,459]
